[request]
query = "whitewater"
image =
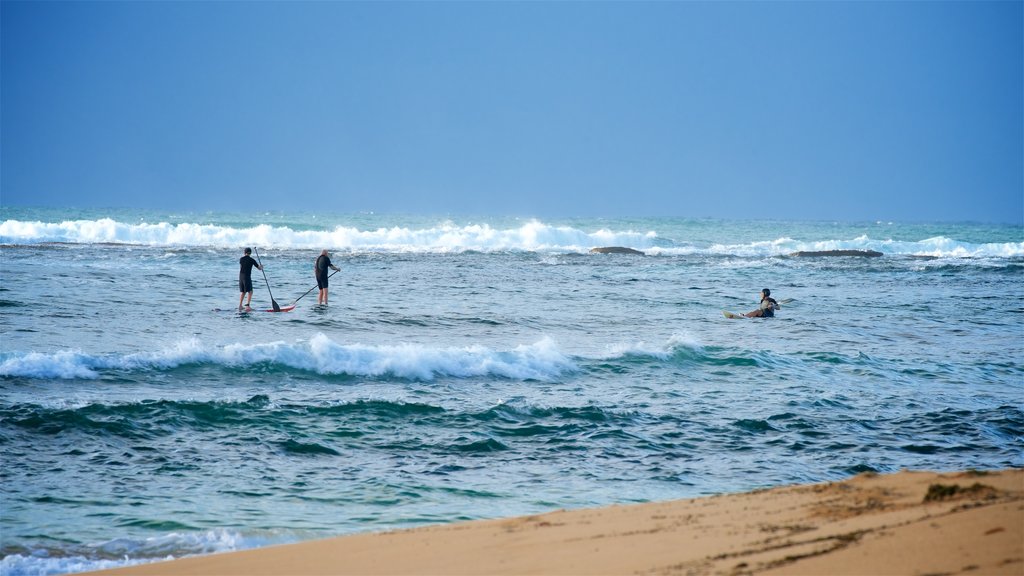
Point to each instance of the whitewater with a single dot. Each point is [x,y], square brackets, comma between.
[473,368]
[447,236]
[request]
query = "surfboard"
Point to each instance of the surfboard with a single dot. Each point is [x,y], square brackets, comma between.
[735,316]
[283,309]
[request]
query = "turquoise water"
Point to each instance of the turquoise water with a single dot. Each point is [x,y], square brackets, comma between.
[474,368]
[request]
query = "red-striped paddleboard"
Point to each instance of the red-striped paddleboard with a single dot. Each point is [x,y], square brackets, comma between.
[246,311]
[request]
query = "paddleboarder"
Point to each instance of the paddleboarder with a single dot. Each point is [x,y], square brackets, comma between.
[323,262]
[246,264]
[767,308]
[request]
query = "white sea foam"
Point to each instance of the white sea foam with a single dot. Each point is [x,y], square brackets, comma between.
[531,236]
[939,247]
[635,349]
[42,564]
[660,351]
[542,360]
[130,551]
[447,237]
[539,361]
[63,364]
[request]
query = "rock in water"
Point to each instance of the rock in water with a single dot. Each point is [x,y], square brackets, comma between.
[616,250]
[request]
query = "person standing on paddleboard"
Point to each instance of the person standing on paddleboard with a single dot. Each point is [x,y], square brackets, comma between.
[323,262]
[246,263]
[767,308]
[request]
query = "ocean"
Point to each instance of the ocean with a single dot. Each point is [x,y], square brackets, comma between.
[471,368]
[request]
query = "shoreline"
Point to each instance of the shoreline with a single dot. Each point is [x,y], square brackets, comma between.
[904,523]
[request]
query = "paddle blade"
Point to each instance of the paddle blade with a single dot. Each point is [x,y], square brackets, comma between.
[273,302]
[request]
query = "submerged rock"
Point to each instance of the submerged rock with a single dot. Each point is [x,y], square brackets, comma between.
[616,250]
[813,253]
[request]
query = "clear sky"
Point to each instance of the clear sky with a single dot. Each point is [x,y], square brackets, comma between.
[795,110]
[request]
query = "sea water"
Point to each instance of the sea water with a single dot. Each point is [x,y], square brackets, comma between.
[473,368]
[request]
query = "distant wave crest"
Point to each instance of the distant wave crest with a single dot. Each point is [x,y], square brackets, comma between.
[447,237]
[937,247]
[531,236]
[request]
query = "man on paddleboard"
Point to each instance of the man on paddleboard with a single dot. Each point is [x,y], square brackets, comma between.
[323,262]
[246,263]
[767,308]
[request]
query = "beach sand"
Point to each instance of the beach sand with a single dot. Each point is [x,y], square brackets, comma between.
[907,523]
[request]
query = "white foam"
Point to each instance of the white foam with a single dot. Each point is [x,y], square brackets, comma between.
[41,564]
[445,237]
[539,361]
[660,351]
[531,236]
[64,364]
[939,247]
[131,551]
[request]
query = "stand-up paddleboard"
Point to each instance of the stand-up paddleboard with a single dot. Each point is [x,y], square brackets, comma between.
[246,311]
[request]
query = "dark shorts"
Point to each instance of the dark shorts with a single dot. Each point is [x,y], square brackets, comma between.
[245,285]
[321,281]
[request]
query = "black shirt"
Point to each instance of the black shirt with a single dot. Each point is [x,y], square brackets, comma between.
[246,263]
[322,264]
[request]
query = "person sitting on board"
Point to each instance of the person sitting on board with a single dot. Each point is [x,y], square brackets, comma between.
[767,308]
[323,262]
[245,277]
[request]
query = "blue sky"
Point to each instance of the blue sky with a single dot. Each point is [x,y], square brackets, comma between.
[801,110]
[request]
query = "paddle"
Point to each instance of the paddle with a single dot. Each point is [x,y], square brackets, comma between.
[314,287]
[272,301]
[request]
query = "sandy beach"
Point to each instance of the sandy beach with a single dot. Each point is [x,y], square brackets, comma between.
[905,523]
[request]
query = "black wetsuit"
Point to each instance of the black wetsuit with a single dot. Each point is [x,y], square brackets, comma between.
[245,273]
[322,264]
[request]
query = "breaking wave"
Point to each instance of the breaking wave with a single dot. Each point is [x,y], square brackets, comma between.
[935,247]
[539,361]
[532,236]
